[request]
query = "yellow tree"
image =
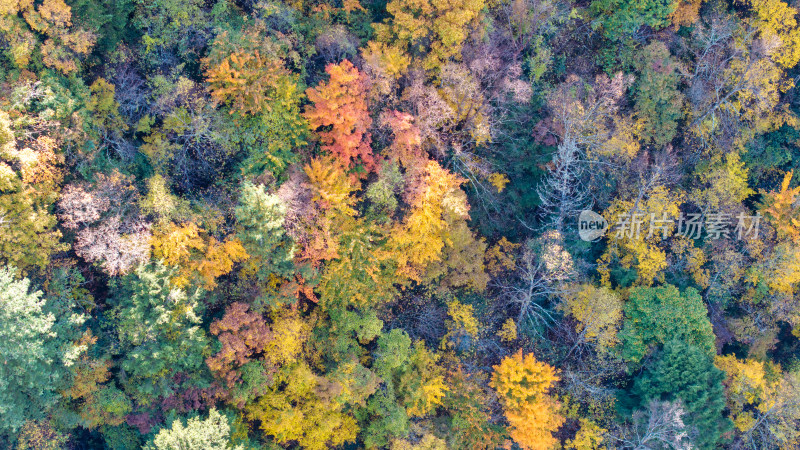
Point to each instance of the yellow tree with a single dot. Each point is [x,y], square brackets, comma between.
[29,185]
[422,236]
[63,44]
[781,209]
[740,76]
[522,383]
[432,31]
[598,313]
[246,71]
[332,195]
[183,246]
[462,262]
[746,386]
[631,243]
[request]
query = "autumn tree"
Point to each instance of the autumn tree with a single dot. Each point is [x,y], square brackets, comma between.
[467,404]
[303,407]
[40,435]
[196,256]
[423,234]
[413,386]
[430,32]
[781,210]
[64,45]
[413,372]
[248,71]
[406,147]
[163,24]
[245,70]
[598,315]
[725,184]
[585,117]
[764,402]
[96,398]
[29,184]
[639,226]
[243,335]
[341,104]
[522,383]
[737,83]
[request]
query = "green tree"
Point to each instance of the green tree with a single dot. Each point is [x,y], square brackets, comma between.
[413,371]
[619,17]
[158,330]
[35,352]
[260,218]
[687,373]
[658,100]
[655,315]
[363,274]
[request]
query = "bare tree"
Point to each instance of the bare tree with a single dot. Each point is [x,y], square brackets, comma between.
[562,192]
[660,426]
[541,271]
[115,252]
[583,116]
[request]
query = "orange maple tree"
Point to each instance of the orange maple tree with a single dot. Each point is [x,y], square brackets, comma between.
[339,114]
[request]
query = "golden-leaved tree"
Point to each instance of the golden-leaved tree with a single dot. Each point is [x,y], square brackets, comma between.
[184,247]
[432,31]
[522,383]
[422,236]
[64,44]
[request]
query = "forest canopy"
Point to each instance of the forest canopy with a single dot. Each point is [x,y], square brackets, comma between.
[399,224]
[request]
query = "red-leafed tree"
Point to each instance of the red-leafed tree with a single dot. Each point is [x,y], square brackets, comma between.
[341,105]
[243,336]
[407,144]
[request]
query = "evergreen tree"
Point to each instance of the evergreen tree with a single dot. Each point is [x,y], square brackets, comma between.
[158,330]
[687,373]
[34,357]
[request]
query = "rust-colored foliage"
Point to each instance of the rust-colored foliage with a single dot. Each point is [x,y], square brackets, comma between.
[407,144]
[341,104]
[243,335]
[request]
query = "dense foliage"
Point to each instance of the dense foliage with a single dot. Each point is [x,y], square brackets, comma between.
[266,224]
